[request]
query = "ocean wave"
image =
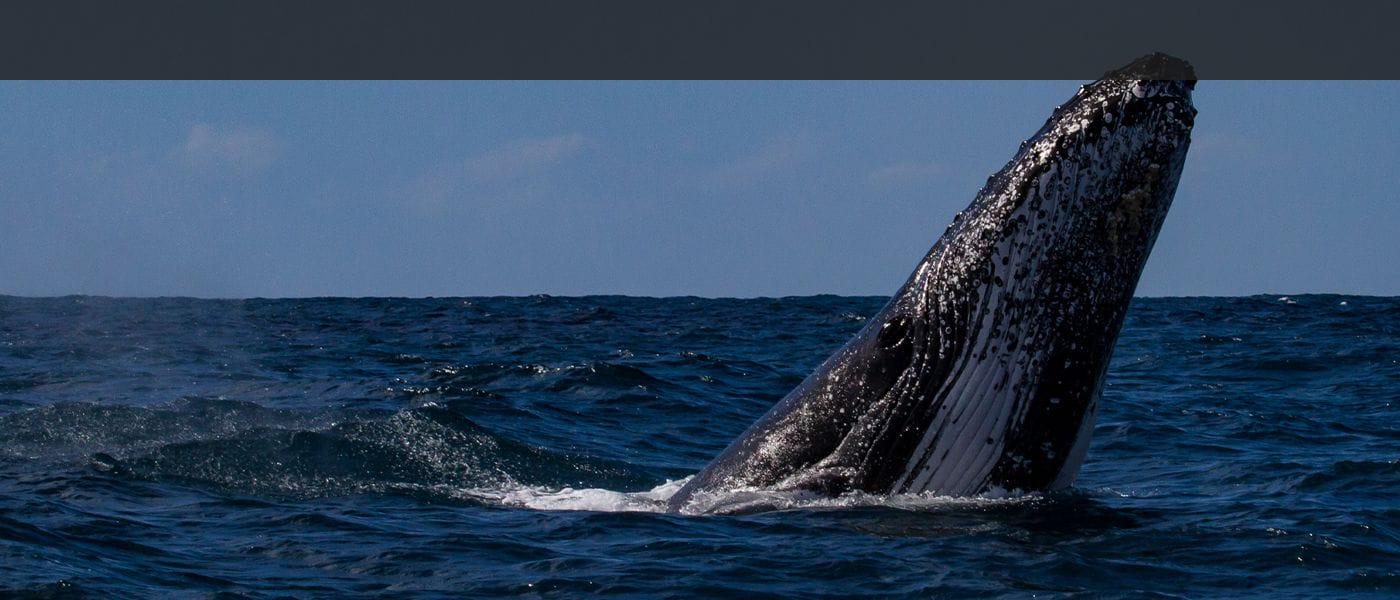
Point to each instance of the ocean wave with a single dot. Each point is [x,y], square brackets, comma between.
[425,448]
[484,447]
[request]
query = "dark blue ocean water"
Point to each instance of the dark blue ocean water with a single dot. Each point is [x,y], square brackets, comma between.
[421,448]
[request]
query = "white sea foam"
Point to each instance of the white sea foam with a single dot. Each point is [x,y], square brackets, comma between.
[733,502]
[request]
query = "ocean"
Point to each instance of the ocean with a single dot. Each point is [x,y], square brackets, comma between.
[524,446]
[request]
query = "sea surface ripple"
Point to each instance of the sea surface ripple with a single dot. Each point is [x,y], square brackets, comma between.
[488,447]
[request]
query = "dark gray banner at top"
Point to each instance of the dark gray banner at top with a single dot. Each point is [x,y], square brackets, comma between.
[720,39]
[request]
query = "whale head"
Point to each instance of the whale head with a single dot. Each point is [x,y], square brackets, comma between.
[984,370]
[1012,317]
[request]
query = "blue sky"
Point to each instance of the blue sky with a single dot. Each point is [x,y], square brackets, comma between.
[279,189]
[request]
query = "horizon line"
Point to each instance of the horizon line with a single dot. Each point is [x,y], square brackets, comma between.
[637,296]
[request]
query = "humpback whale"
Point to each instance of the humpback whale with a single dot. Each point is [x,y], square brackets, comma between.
[983,372]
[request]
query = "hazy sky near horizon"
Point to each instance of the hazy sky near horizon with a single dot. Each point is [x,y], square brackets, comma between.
[284,189]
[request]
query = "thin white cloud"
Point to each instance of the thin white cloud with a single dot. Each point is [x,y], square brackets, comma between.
[777,153]
[521,156]
[906,173]
[234,150]
[508,170]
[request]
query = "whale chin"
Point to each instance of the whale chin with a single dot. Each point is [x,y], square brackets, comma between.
[984,370]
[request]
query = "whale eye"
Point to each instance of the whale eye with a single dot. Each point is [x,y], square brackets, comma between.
[893,332]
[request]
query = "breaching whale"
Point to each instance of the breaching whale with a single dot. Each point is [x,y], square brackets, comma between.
[983,372]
